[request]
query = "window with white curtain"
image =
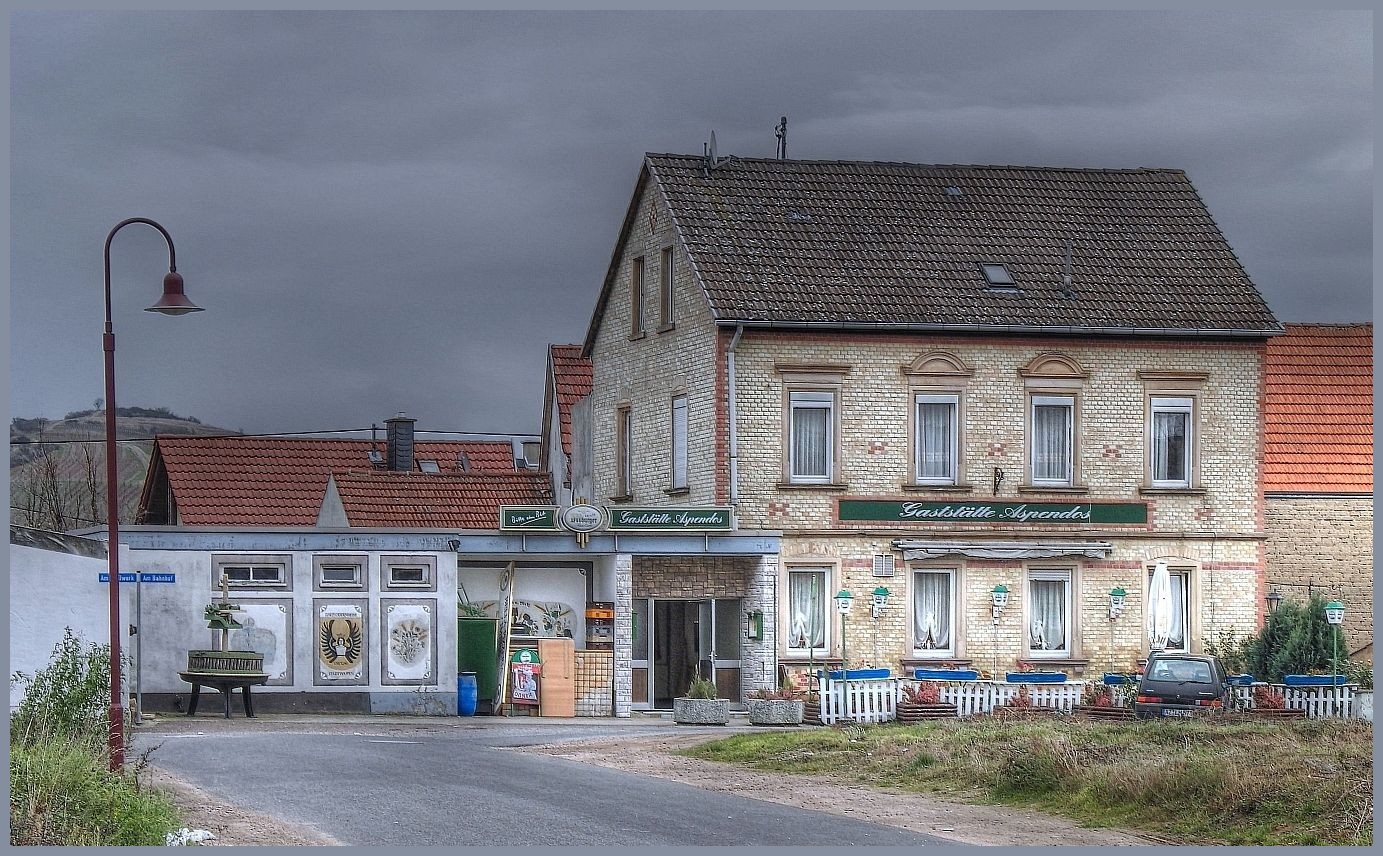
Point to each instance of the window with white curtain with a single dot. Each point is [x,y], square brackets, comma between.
[937,430]
[679,442]
[808,593]
[1181,608]
[1170,444]
[811,437]
[1049,612]
[933,608]
[1053,434]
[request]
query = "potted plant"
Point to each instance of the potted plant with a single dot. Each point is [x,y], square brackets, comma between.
[921,701]
[701,705]
[780,706]
[1269,703]
[1021,705]
[1105,700]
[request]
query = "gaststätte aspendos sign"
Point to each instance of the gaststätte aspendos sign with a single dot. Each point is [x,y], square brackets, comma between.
[1006,513]
[584,519]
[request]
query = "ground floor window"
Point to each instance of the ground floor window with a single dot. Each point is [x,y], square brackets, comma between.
[807,596]
[1049,612]
[933,605]
[1178,636]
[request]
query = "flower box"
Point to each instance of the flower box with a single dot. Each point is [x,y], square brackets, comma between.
[1036,677]
[1242,680]
[1313,680]
[858,674]
[946,675]
[701,711]
[1114,679]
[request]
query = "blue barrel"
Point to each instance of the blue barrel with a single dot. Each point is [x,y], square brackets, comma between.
[465,694]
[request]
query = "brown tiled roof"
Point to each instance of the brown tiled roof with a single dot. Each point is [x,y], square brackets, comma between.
[280,481]
[864,243]
[1318,410]
[458,501]
[571,374]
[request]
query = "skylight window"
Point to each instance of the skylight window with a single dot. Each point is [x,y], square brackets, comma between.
[952,190]
[997,275]
[428,465]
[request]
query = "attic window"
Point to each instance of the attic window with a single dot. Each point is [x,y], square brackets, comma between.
[428,465]
[952,190]
[997,275]
[376,458]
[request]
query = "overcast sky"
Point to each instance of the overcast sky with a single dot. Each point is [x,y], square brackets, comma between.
[387,212]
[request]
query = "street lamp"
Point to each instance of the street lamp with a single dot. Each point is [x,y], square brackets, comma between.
[843,601]
[1274,599]
[173,302]
[1335,614]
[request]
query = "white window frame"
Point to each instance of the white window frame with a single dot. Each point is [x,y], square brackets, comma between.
[263,571]
[1187,580]
[636,284]
[624,455]
[949,652]
[1185,405]
[679,442]
[665,290]
[1068,576]
[825,605]
[1050,400]
[952,453]
[812,400]
[357,564]
[389,565]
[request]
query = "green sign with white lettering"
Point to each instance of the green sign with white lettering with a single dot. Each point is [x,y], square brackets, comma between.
[536,518]
[669,519]
[1012,513]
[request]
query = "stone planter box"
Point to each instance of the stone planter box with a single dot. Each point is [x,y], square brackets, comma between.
[906,712]
[1036,677]
[775,711]
[701,711]
[1363,705]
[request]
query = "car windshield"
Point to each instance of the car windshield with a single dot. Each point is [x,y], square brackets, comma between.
[1185,671]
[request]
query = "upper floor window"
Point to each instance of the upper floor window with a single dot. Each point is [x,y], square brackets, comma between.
[936,432]
[1049,613]
[340,572]
[933,611]
[252,571]
[665,291]
[679,442]
[408,572]
[624,486]
[812,437]
[808,592]
[1170,443]
[1053,439]
[636,297]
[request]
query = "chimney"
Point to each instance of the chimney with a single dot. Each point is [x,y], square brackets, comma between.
[399,434]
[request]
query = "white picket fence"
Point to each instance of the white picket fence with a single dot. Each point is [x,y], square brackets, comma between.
[876,699]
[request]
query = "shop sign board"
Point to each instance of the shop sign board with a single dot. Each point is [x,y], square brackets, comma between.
[528,518]
[524,669]
[1010,513]
[582,518]
[715,519]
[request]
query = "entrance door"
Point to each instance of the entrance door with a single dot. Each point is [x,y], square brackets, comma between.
[685,638]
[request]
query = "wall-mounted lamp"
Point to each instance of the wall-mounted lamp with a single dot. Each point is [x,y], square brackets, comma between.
[998,479]
[754,625]
[1116,602]
[1274,599]
[999,596]
[880,600]
[454,544]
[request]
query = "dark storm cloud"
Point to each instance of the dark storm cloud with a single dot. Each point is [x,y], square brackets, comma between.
[399,211]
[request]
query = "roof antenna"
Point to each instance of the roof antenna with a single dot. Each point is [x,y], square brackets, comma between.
[782,134]
[1066,291]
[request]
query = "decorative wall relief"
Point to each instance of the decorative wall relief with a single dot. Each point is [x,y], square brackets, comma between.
[408,641]
[340,640]
[532,617]
[267,629]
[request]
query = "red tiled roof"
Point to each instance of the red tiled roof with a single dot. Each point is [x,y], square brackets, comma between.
[571,375]
[280,481]
[418,501]
[1318,409]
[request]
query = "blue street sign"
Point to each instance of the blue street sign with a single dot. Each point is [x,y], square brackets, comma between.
[144,578]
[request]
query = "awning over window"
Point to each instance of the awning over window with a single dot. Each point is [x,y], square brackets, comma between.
[915,549]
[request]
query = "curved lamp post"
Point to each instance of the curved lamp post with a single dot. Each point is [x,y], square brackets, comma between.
[173,302]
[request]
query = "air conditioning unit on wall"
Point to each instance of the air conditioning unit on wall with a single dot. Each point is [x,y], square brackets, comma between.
[883,565]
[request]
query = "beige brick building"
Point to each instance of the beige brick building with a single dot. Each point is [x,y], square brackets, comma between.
[939,381]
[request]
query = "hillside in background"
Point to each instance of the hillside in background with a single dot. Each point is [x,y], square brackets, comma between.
[58,467]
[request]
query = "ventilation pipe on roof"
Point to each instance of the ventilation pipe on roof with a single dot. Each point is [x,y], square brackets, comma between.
[399,433]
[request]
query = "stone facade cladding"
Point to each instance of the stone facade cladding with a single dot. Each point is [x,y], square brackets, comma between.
[1327,543]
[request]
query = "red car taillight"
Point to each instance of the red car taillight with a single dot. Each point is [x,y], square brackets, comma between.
[1211,702]
[1149,699]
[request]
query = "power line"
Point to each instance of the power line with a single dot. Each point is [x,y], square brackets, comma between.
[271,434]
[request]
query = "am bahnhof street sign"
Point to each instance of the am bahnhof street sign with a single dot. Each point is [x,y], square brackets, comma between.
[583,518]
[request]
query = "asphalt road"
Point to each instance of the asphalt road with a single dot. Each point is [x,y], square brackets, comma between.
[459,786]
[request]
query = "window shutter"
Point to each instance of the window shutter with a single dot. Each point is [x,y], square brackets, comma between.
[883,565]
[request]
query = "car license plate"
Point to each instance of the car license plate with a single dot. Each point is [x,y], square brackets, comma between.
[1166,712]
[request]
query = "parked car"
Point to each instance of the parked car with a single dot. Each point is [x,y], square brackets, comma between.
[1176,684]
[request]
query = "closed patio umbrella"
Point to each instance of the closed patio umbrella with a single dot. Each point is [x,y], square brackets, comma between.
[1159,607]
